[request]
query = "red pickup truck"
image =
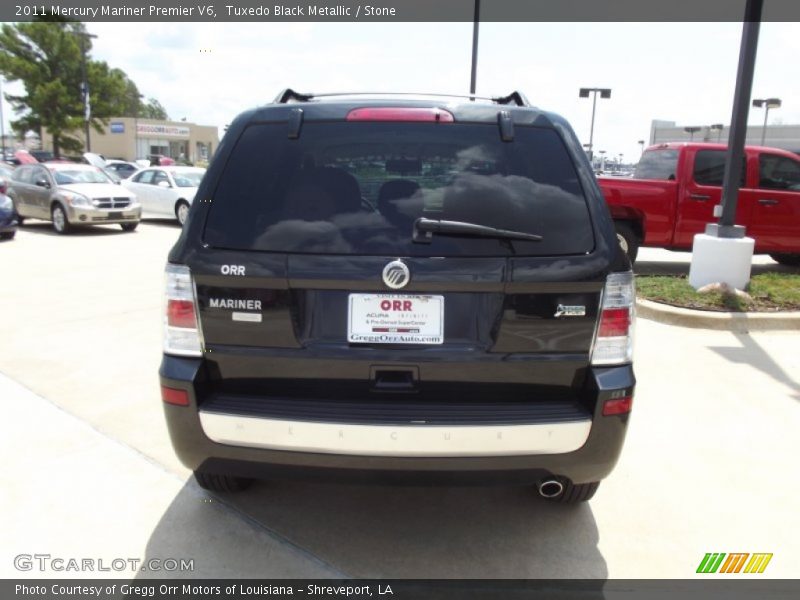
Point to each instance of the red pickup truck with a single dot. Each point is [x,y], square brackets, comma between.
[676,186]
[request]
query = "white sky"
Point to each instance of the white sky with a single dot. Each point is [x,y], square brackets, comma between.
[685,72]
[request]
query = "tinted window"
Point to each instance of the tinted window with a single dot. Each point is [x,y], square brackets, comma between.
[657,164]
[709,168]
[778,172]
[357,188]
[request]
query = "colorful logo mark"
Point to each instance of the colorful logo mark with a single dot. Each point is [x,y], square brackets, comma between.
[718,563]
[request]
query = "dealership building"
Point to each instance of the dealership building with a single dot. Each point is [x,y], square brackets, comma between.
[130,138]
[786,137]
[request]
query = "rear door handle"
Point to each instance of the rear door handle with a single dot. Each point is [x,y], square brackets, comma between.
[700,197]
[767,201]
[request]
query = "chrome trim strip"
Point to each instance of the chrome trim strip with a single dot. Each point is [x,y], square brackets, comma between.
[399,440]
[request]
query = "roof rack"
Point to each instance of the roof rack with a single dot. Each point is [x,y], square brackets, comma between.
[289,95]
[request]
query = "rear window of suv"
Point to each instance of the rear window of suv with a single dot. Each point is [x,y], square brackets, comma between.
[356,188]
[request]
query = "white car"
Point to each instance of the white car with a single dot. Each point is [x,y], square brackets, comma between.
[166,191]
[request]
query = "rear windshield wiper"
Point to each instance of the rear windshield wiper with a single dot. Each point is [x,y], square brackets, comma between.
[425,228]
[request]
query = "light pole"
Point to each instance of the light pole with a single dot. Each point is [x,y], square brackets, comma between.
[474,72]
[718,128]
[691,131]
[767,103]
[641,147]
[87,105]
[584,93]
[136,126]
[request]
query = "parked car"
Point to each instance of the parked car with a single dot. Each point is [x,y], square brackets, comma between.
[676,187]
[160,160]
[166,191]
[43,155]
[122,168]
[8,218]
[72,195]
[406,288]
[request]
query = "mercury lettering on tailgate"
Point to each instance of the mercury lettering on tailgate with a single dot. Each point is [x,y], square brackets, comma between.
[395,319]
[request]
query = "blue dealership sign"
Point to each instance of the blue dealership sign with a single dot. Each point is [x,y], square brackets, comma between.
[117,127]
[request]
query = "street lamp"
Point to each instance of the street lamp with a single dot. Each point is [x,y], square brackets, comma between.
[641,146]
[718,128]
[584,93]
[767,103]
[474,71]
[138,101]
[602,154]
[691,131]
[87,105]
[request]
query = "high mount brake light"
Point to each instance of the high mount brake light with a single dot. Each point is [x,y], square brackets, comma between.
[181,329]
[409,115]
[614,342]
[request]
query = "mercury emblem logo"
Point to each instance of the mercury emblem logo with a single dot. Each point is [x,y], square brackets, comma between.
[396,275]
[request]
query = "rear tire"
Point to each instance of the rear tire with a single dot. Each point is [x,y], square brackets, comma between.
[182,211]
[789,260]
[221,483]
[575,492]
[129,226]
[628,240]
[8,235]
[60,221]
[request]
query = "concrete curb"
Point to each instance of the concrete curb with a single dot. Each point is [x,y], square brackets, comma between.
[725,321]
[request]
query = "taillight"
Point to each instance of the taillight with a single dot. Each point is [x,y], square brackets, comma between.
[617,406]
[181,330]
[614,342]
[180,313]
[411,115]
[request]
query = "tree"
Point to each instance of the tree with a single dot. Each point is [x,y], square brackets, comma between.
[46,57]
[111,92]
[153,110]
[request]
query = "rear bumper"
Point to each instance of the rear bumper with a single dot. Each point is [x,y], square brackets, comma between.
[583,450]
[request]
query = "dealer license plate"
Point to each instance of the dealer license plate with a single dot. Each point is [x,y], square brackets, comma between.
[395,319]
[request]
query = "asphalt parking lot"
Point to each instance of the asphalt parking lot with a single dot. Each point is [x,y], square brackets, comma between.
[710,464]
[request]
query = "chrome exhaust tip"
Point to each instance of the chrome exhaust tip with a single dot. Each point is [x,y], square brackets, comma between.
[551,488]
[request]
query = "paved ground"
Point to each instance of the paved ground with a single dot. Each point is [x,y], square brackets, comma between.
[709,465]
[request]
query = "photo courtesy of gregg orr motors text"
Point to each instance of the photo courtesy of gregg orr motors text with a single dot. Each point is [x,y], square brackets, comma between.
[197,590]
[44,563]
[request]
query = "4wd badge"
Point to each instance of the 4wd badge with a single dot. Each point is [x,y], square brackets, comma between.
[566,310]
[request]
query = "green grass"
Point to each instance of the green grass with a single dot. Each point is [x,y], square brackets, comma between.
[770,292]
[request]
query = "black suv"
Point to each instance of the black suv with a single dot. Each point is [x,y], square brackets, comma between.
[392,287]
